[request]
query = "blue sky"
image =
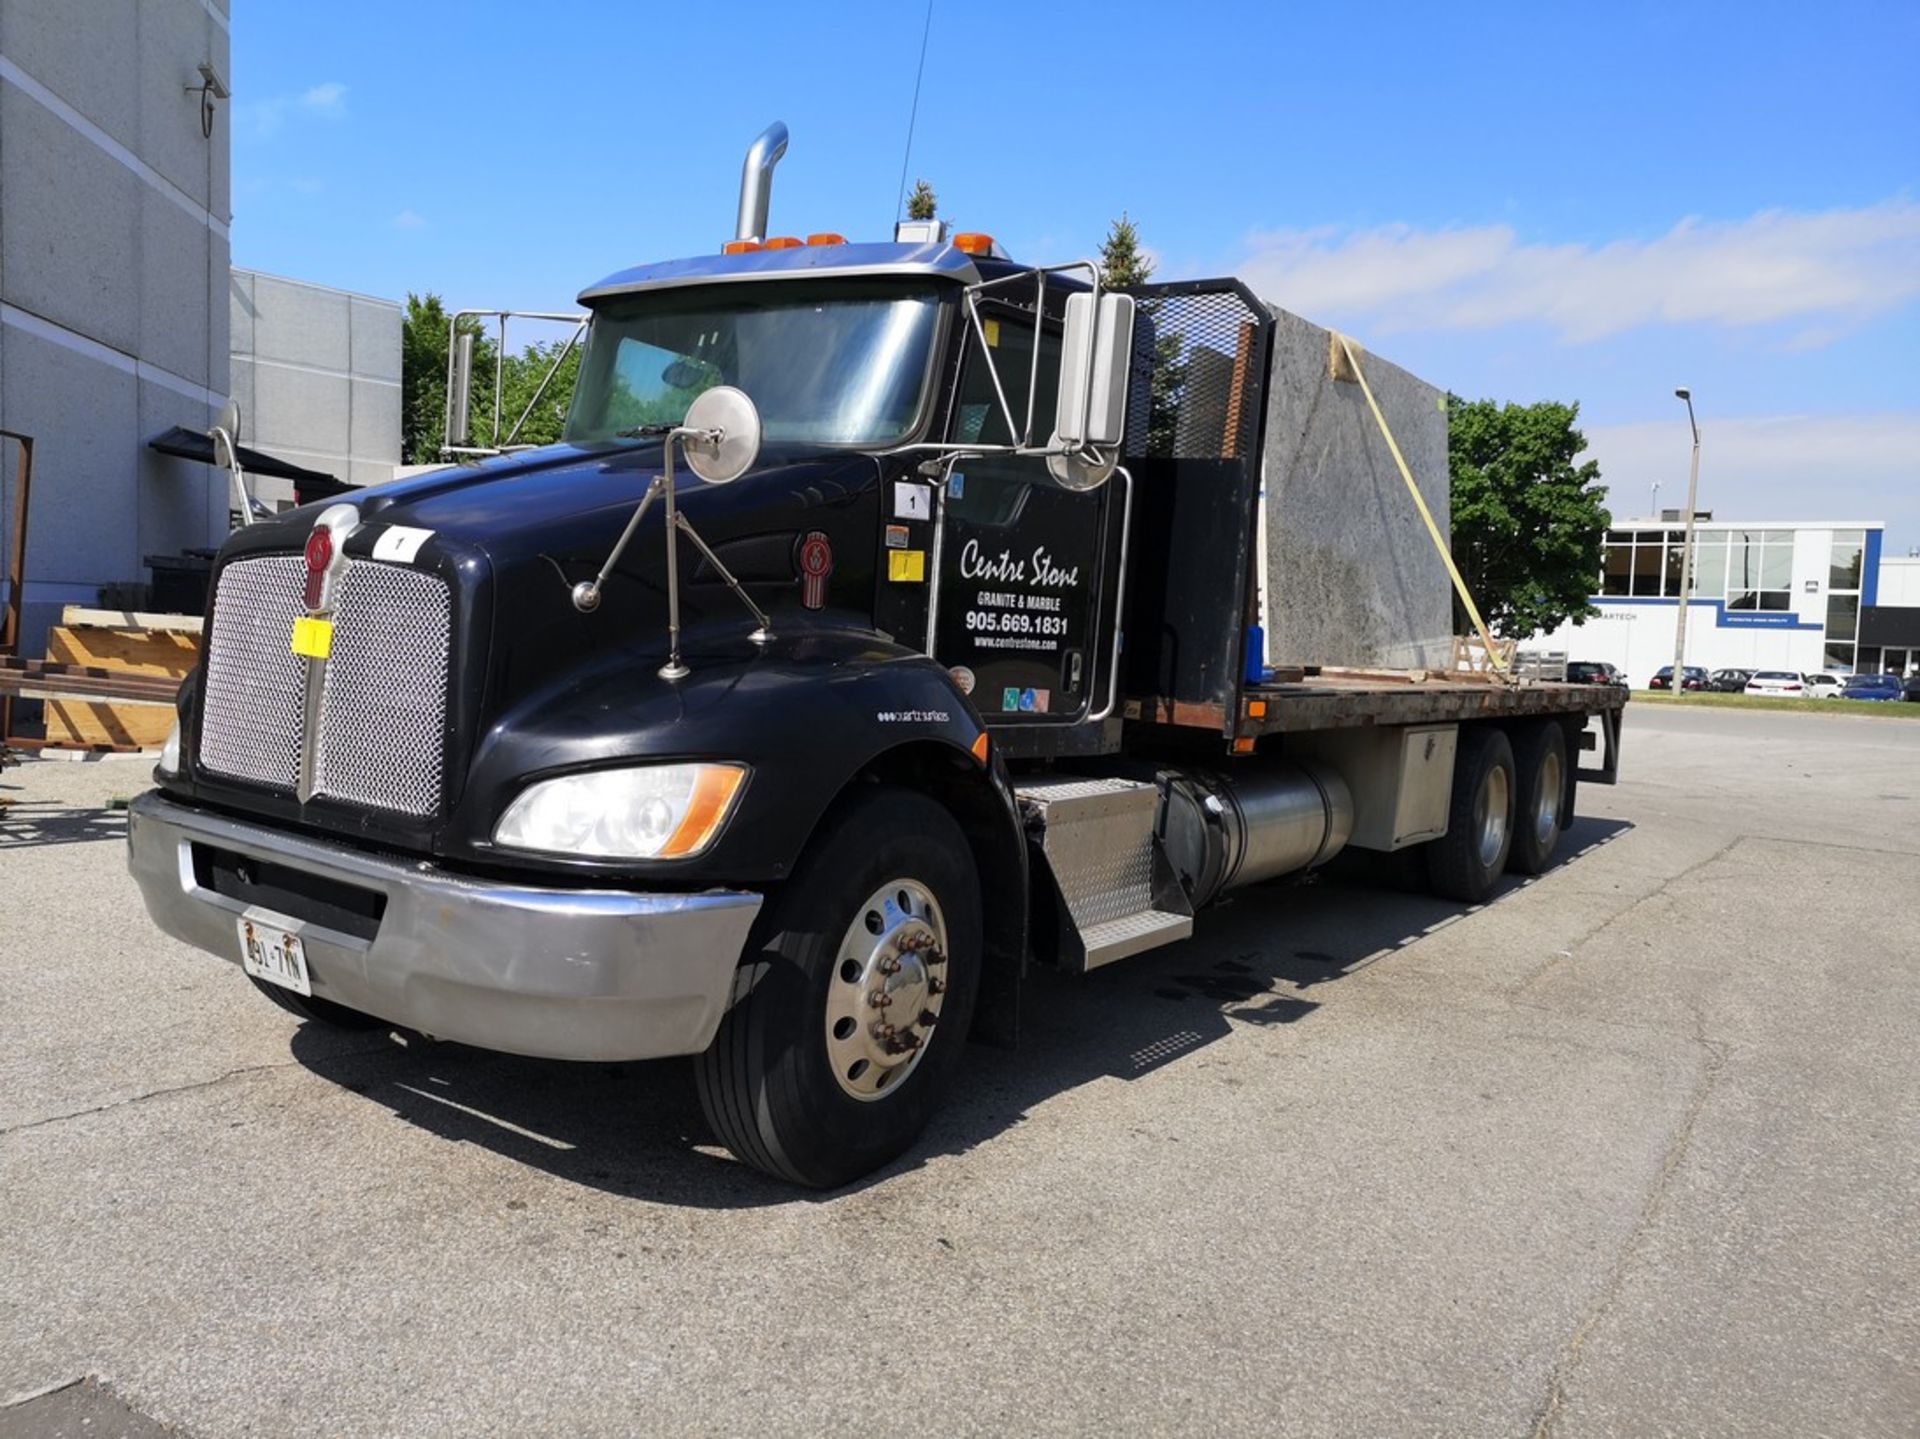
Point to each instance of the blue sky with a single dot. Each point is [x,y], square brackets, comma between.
[1592,203]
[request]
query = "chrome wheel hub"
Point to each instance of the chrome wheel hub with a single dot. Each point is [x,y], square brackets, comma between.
[888,987]
[1546,813]
[1491,810]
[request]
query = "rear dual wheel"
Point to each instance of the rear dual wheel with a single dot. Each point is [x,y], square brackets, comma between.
[851,1005]
[1508,810]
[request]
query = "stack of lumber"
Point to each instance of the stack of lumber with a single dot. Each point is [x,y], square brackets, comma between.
[110,676]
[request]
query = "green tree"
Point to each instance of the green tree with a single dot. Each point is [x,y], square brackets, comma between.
[1528,521]
[1123,264]
[423,385]
[922,204]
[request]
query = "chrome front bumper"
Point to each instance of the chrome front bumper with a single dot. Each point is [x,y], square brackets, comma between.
[560,973]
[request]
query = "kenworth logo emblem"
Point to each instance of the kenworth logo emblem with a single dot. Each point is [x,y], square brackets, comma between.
[312,638]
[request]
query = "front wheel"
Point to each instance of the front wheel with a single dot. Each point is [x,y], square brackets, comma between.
[851,1005]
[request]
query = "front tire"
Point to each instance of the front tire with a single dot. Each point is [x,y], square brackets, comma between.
[851,1005]
[317,1010]
[1465,863]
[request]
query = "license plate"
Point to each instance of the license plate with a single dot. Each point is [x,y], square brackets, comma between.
[274,955]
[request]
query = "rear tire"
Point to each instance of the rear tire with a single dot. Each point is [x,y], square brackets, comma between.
[1540,795]
[319,1011]
[801,1080]
[1465,863]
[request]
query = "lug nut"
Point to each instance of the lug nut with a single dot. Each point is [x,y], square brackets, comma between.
[879,999]
[929,1018]
[889,966]
[936,985]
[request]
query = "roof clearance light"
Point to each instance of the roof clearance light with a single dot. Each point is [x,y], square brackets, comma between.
[972,242]
[826,237]
[740,247]
[783,242]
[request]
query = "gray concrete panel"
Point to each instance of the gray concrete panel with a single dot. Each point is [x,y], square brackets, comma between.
[1352,576]
[85,64]
[172,492]
[376,339]
[302,324]
[82,413]
[174,41]
[367,472]
[300,409]
[177,297]
[240,311]
[376,421]
[69,225]
[219,316]
[221,199]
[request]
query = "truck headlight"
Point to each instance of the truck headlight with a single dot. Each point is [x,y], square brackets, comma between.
[661,811]
[170,751]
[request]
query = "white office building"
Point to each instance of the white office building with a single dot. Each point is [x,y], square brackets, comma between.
[1791,595]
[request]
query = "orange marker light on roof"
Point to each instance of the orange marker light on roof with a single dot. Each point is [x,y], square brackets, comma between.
[739,247]
[971,242]
[826,237]
[783,242]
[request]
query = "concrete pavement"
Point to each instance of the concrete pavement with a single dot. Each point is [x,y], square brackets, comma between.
[1635,1148]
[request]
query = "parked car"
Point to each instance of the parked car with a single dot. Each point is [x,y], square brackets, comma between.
[1594,672]
[1778,682]
[1694,679]
[1871,687]
[1825,686]
[1729,682]
[1910,687]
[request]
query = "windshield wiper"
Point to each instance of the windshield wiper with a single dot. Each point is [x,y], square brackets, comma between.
[643,432]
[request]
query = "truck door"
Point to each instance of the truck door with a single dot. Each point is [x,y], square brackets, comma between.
[1021,561]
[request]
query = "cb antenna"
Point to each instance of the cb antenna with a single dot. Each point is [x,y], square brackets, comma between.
[900,200]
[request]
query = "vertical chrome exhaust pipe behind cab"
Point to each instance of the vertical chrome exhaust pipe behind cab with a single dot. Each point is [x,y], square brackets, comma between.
[756,181]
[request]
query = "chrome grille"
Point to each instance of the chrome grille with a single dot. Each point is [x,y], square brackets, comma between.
[384,703]
[255,683]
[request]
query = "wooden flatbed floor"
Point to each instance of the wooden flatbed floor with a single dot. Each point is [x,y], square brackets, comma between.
[1339,700]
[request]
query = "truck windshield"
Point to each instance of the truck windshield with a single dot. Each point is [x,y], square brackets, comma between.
[843,363]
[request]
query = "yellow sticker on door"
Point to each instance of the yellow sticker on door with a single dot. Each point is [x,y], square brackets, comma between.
[312,638]
[907,566]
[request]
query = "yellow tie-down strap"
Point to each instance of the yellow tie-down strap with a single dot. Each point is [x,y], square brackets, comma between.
[1346,347]
[312,637]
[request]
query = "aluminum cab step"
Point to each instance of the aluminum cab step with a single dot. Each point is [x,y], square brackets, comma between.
[1116,890]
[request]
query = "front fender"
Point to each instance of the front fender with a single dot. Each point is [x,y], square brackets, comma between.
[808,714]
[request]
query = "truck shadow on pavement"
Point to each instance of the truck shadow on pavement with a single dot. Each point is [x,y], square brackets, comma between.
[1266,959]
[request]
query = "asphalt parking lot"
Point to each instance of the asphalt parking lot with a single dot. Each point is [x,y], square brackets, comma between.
[1633,1149]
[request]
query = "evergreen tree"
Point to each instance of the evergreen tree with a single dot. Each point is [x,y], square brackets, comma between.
[922,204]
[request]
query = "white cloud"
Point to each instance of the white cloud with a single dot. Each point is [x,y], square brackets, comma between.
[1773,467]
[263,119]
[1829,269]
[409,220]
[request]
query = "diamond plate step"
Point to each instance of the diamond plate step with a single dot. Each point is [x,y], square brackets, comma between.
[1097,840]
[1118,938]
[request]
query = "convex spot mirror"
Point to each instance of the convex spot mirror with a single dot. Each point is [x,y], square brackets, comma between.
[1096,357]
[728,438]
[225,435]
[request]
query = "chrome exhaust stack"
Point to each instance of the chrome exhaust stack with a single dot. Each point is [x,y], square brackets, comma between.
[756,181]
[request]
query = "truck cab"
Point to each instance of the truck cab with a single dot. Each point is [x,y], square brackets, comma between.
[881,625]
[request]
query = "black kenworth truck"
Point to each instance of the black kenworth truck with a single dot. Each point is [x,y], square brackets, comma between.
[786,732]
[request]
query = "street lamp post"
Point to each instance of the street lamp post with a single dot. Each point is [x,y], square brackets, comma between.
[1686,551]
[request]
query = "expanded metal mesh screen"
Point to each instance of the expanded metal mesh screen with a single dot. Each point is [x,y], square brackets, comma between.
[1199,354]
[384,702]
[383,698]
[250,729]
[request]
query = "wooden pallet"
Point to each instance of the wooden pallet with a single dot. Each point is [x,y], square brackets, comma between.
[109,677]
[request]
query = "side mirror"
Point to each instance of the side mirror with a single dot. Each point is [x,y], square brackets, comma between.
[459,388]
[225,435]
[728,441]
[1096,357]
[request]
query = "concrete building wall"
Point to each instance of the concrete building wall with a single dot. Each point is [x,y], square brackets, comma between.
[114,209]
[316,373]
[1900,583]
